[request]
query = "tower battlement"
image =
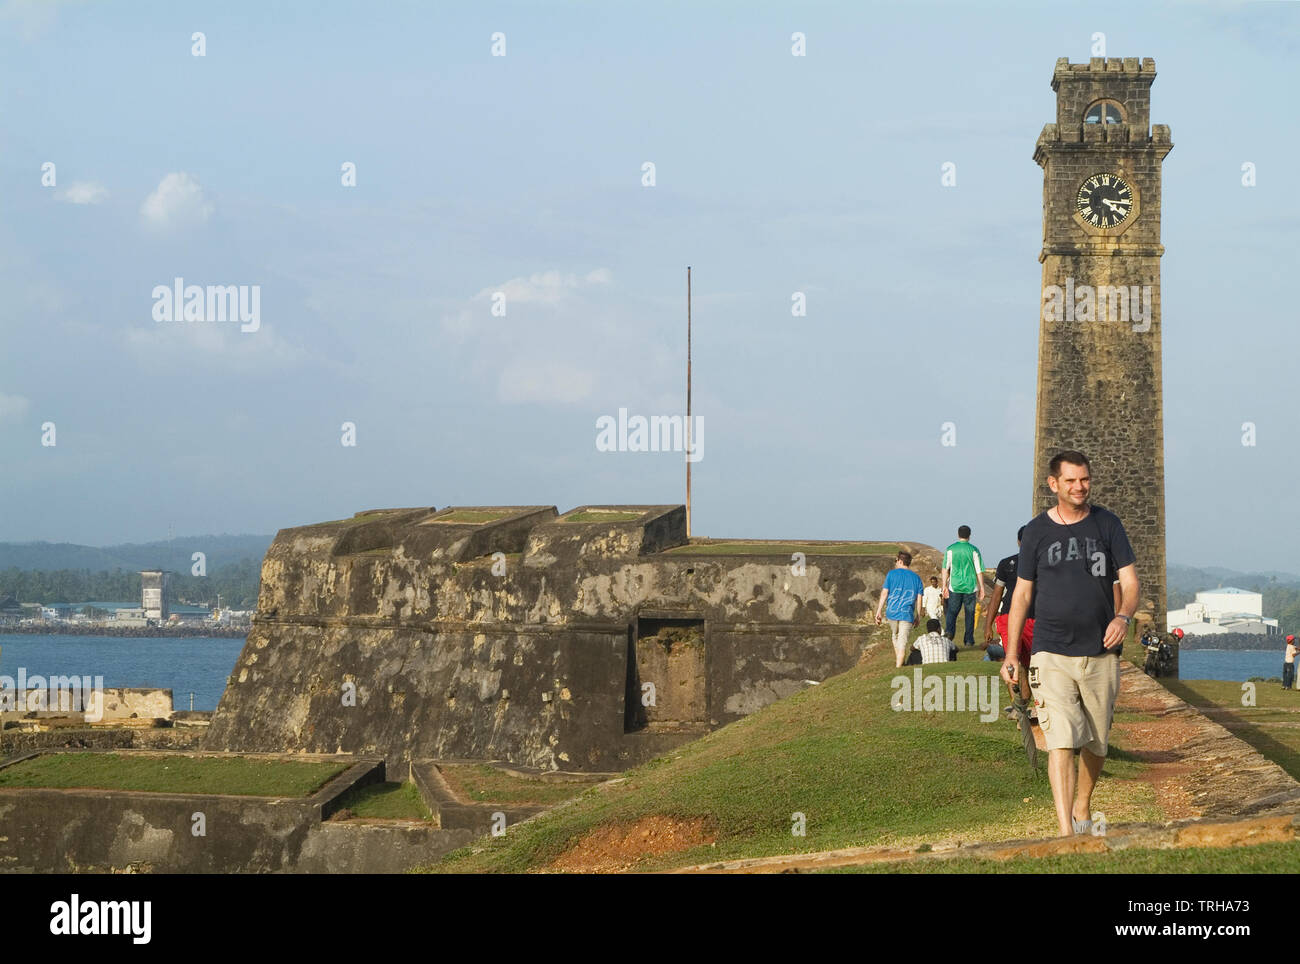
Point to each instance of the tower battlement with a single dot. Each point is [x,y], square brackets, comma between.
[1099,383]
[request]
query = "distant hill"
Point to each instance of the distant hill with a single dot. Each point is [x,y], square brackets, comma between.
[1281,592]
[1233,641]
[132,557]
[1190,580]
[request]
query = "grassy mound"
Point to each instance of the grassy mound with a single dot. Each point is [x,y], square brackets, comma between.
[859,773]
[239,776]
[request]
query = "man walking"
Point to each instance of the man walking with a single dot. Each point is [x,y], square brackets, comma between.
[900,603]
[963,584]
[1069,558]
[1004,584]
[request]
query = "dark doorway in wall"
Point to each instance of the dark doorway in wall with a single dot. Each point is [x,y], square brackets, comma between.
[667,678]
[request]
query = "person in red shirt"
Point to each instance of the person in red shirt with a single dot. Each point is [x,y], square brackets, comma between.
[1004,584]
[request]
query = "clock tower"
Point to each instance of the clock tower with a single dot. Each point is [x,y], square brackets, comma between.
[1099,378]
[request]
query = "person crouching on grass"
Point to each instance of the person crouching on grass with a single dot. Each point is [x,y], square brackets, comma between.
[900,603]
[1071,555]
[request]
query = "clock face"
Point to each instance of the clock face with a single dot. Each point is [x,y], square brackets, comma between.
[1105,200]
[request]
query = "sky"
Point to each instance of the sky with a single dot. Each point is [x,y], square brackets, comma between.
[517,181]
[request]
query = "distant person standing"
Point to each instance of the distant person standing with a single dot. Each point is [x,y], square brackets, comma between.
[963,584]
[1069,558]
[1288,664]
[1004,584]
[932,600]
[900,603]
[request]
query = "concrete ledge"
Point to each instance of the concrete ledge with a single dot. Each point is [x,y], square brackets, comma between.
[352,847]
[454,812]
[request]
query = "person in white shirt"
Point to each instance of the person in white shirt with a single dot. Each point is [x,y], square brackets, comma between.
[935,647]
[932,599]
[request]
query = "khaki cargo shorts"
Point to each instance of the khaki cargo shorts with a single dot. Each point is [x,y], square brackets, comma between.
[1075,696]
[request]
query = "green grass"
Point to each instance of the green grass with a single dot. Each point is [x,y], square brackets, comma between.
[386,801]
[470,516]
[859,772]
[601,515]
[237,776]
[488,784]
[783,549]
[1227,694]
[1270,858]
[1256,725]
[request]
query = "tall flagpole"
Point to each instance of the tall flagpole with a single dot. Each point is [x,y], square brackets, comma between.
[688,401]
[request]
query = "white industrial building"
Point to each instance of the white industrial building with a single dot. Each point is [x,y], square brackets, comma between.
[1223,610]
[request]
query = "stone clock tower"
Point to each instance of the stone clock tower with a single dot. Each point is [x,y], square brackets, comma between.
[1099,388]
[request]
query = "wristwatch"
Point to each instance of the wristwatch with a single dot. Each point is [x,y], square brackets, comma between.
[1127,619]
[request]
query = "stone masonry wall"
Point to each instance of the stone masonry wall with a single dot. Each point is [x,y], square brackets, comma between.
[1100,381]
[516,639]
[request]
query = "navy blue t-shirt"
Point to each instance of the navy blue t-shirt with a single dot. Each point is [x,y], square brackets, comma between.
[1006,574]
[1073,570]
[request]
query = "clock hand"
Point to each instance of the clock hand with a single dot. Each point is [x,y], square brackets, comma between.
[1113,205]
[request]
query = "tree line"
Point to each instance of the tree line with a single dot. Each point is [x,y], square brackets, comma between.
[236,582]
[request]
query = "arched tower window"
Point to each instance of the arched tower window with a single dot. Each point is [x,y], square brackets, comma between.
[1104,112]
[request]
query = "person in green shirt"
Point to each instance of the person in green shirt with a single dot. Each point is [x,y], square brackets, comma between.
[963,584]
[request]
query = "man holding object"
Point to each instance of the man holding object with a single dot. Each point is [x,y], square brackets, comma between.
[1071,554]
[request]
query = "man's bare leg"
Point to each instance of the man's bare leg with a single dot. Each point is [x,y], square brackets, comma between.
[1089,771]
[1061,775]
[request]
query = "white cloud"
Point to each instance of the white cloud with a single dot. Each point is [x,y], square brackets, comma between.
[12,406]
[549,288]
[168,344]
[82,192]
[556,381]
[177,201]
[32,18]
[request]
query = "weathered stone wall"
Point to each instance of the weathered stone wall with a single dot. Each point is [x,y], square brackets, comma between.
[517,638]
[18,742]
[122,703]
[98,831]
[1100,382]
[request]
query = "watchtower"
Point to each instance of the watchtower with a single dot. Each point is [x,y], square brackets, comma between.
[1099,373]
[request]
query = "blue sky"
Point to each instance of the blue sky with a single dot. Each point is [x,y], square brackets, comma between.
[523,174]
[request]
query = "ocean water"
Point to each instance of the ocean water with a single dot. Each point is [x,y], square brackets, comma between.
[1226,664]
[197,665]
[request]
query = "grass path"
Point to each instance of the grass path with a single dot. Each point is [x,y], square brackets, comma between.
[835,761]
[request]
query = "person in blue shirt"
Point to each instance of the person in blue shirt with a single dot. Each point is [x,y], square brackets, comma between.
[900,603]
